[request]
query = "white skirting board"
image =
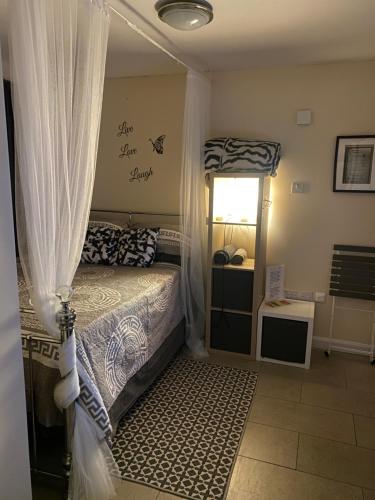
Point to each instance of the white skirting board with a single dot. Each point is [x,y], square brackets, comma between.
[341,345]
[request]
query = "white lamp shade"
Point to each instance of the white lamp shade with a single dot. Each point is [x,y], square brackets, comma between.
[185,20]
[185,16]
[235,200]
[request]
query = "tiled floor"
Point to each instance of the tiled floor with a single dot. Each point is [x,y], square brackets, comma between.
[310,434]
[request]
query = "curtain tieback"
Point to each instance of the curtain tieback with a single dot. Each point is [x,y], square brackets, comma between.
[67,390]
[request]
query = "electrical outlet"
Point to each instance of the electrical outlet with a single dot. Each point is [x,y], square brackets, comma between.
[308,296]
[295,295]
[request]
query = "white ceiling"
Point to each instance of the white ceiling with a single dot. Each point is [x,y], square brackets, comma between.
[260,33]
[129,54]
[243,34]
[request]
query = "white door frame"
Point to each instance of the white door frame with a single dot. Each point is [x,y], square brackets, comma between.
[15,483]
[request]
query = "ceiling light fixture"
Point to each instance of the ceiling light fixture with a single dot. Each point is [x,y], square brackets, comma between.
[185,16]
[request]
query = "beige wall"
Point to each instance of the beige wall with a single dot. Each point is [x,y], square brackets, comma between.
[262,104]
[153,106]
[258,104]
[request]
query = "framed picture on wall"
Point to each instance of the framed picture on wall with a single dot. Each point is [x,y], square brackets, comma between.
[355,164]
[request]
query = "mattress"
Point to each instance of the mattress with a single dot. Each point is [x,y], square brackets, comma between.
[124,314]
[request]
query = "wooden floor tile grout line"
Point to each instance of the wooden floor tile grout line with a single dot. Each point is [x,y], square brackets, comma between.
[355,432]
[336,441]
[271,426]
[267,462]
[346,387]
[312,474]
[346,412]
[346,379]
[326,477]
[308,434]
[297,450]
[279,399]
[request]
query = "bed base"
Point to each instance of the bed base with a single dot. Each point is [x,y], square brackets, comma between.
[134,388]
[65,319]
[146,375]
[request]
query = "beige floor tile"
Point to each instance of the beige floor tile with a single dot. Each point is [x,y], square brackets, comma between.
[365,431]
[237,495]
[297,417]
[327,371]
[322,371]
[368,494]
[269,444]
[338,461]
[134,491]
[337,358]
[358,402]
[332,375]
[278,387]
[285,371]
[262,481]
[360,376]
[167,496]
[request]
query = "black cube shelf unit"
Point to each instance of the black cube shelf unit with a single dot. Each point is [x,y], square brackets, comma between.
[235,292]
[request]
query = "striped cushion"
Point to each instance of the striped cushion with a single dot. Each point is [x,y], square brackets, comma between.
[168,248]
[240,155]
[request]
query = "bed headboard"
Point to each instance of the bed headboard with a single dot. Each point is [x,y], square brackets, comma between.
[132,218]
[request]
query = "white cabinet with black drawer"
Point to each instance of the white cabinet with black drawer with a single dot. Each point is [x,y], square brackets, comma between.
[285,333]
[238,213]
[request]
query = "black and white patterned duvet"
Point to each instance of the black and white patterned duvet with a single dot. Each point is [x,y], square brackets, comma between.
[124,314]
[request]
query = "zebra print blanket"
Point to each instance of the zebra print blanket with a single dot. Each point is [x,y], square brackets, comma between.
[227,154]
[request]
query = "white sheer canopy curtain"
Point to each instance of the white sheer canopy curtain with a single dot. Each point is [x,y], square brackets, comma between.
[58,52]
[193,208]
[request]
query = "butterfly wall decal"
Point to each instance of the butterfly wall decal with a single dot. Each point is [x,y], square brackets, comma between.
[158,144]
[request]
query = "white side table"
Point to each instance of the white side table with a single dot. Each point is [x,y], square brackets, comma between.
[285,333]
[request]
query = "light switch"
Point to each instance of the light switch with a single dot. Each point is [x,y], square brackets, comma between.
[300,187]
[304,117]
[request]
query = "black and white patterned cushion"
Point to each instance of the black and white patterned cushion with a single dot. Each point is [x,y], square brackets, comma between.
[137,247]
[101,245]
[104,224]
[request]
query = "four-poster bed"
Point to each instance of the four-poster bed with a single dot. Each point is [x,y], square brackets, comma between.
[129,326]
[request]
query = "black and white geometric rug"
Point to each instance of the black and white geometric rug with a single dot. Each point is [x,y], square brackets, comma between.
[183,434]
